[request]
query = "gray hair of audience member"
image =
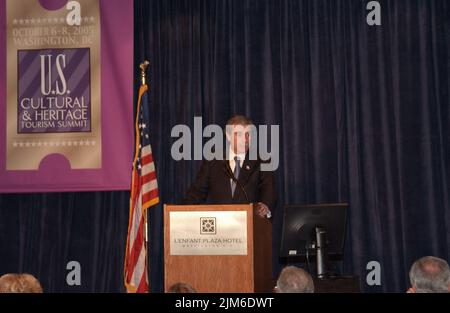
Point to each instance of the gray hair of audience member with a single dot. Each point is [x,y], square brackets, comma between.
[430,275]
[181,288]
[294,280]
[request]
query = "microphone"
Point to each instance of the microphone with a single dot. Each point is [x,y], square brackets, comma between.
[230,174]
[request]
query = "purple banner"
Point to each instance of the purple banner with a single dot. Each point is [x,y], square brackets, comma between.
[56,99]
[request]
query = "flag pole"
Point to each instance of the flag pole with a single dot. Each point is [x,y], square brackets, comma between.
[143,66]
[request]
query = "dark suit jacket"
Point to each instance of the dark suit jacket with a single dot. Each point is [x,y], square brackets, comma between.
[212,184]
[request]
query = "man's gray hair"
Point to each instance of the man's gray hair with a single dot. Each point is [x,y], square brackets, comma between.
[295,280]
[430,274]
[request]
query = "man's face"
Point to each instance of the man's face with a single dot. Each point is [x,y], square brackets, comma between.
[239,138]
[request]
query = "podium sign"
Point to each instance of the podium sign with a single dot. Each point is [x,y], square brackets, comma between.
[208,233]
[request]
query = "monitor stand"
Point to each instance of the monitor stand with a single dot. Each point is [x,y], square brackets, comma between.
[321,253]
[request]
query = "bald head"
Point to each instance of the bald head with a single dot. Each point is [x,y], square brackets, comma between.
[430,274]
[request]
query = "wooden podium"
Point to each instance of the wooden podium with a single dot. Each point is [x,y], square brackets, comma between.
[203,236]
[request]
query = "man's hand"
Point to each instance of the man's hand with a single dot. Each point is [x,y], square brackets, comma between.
[262,210]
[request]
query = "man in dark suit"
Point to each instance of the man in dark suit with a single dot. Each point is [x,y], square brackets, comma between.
[237,179]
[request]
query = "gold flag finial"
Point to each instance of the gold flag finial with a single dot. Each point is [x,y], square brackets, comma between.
[143,67]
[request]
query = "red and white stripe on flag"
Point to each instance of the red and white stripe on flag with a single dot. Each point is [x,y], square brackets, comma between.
[144,194]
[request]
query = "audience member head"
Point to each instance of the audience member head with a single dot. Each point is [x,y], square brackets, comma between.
[294,280]
[181,288]
[19,283]
[430,274]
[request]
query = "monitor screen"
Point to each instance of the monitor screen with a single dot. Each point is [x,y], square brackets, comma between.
[299,228]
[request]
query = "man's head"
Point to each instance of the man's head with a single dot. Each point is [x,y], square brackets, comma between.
[181,288]
[294,280]
[238,130]
[430,274]
[19,283]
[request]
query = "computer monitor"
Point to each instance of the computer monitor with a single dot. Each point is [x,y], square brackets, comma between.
[299,232]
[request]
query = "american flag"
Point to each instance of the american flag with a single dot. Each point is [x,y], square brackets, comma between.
[144,194]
